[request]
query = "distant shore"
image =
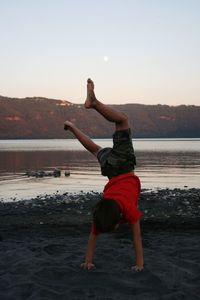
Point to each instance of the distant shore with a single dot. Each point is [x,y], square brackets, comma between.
[43,242]
[153,121]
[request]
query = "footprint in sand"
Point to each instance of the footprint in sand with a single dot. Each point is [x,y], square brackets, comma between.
[54,249]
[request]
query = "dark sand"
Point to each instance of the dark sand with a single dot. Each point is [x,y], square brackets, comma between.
[43,243]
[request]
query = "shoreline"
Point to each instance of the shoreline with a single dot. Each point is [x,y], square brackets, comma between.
[172,207]
[43,243]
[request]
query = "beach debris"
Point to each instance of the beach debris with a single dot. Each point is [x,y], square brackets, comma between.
[41,173]
[67,173]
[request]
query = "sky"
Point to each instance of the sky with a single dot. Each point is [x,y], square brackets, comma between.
[136,51]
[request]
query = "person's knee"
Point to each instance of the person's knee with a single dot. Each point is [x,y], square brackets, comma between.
[123,122]
[124,119]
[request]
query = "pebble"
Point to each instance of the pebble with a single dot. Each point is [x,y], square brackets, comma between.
[163,204]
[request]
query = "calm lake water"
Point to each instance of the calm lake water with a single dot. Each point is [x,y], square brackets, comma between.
[161,163]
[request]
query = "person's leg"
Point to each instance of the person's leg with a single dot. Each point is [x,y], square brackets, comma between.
[83,139]
[120,119]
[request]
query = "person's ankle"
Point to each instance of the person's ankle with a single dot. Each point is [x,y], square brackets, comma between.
[94,103]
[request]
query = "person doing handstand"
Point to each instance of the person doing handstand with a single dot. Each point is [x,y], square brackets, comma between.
[121,193]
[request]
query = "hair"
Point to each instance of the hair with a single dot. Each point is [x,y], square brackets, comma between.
[106,215]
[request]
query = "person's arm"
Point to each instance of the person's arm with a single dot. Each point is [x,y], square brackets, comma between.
[88,264]
[137,240]
[83,138]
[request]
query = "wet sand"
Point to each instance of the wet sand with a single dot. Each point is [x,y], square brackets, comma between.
[43,241]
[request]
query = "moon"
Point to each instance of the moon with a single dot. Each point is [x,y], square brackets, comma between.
[105,58]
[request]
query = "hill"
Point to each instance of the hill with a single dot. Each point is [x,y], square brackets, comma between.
[43,118]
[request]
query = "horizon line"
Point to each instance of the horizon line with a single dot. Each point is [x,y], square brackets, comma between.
[72,103]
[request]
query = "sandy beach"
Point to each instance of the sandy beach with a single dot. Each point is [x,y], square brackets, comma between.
[43,241]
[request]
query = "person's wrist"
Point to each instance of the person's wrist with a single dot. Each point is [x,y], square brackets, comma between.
[139,263]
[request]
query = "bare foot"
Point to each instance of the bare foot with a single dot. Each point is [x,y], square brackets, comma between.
[91,98]
[68,125]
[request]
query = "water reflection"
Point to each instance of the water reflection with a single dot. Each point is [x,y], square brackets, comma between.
[168,159]
[18,162]
[156,170]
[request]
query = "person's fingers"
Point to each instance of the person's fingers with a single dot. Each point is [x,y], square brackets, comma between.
[90,266]
[87,266]
[137,268]
[83,266]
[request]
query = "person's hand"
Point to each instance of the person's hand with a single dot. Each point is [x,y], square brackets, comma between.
[87,266]
[68,125]
[137,268]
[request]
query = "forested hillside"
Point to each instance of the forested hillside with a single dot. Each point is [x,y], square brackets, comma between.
[44,118]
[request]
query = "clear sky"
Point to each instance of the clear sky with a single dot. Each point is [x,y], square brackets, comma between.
[137,51]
